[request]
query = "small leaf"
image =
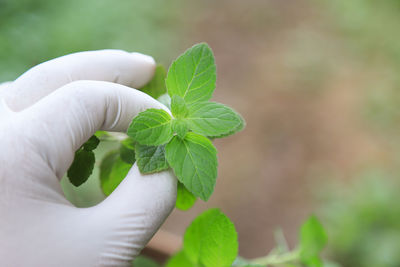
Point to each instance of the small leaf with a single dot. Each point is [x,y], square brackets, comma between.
[180,127]
[193,74]
[112,171]
[194,161]
[151,127]
[156,87]
[178,107]
[184,200]
[211,240]
[179,260]
[127,150]
[151,159]
[91,144]
[312,240]
[142,261]
[213,119]
[82,167]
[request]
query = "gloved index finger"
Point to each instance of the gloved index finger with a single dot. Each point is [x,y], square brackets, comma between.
[130,69]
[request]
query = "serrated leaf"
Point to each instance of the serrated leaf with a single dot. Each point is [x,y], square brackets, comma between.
[91,144]
[151,127]
[151,159]
[82,167]
[180,127]
[178,107]
[213,119]
[156,87]
[184,199]
[127,150]
[112,171]
[211,240]
[312,240]
[194,161]
[193,74]
[142,261]
[179,260]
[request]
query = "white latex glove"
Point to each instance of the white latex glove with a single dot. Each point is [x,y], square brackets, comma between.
[45,116]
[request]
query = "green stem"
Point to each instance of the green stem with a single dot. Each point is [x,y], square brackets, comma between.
[278,258]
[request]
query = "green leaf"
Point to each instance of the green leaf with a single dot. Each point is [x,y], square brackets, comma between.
[194,161]
[82,167]
[179,260]
[178,107]
[184,200]
[312,240]
[151,159]
[112,171]
[213,119]
[142,261]
[156,87]
[151,127]
[127,150]
[91,144]
[193,74]
[180,127]
[211,240]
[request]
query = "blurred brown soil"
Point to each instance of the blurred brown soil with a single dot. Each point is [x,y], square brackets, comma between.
[281,65]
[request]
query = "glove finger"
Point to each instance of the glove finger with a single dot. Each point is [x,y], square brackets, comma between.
[130,69]
[61,122]
[133,213]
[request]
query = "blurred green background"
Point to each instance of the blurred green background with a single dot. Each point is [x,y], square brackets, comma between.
[317,82]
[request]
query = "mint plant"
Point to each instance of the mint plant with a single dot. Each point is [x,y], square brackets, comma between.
[181,140]
[211,241]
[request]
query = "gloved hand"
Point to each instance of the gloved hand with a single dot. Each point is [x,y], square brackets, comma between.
[45,116]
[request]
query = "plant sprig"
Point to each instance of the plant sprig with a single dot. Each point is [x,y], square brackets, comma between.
[182,140]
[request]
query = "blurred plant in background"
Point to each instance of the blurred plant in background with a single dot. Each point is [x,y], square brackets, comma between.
[362,219]
[33,31]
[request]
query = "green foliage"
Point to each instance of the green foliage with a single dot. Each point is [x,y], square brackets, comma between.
[178,107]
[82,167]
[112,171]
[156,87]
[312,240]
[213,119]
[57,28]
[91,144]
[179,260]
[193,75]
[151,127]
[83,164]
[194,161]
[362,219]
[209,241]
[190,84]
[151,158]
[184,200]
[180,127]
[127,150]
